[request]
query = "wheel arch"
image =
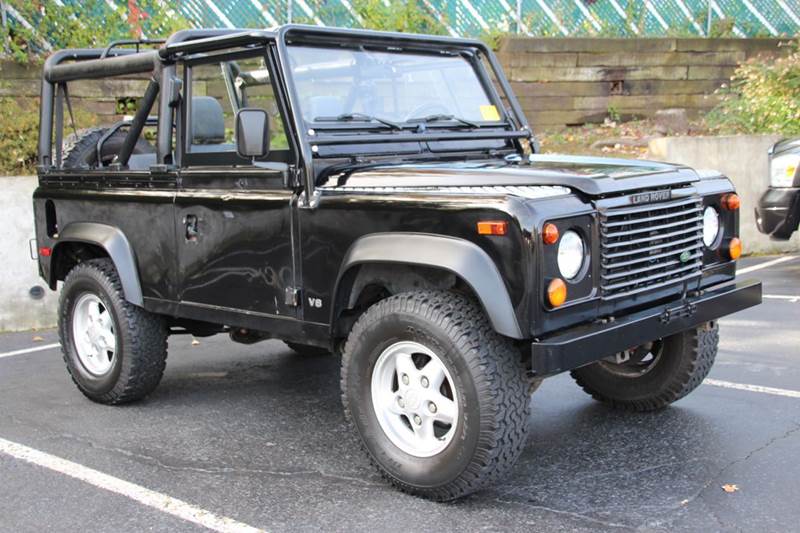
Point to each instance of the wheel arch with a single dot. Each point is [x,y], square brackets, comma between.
[464,259]
[113,242]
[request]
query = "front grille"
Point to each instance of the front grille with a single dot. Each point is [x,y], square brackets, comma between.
[650,246]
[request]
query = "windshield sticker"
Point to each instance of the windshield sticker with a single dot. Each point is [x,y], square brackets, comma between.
[489,112]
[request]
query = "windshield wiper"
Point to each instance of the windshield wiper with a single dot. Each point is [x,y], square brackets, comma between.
[359,117]
[443,117]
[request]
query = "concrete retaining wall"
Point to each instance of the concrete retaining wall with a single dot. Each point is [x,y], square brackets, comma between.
[18,310]
[743,158]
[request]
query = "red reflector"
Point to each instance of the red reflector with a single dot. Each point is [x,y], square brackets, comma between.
[492,227]
[45,251]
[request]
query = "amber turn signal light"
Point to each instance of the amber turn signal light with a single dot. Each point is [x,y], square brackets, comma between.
[557,292]
[734,248]
[731,202]
[492,227]
[550,233]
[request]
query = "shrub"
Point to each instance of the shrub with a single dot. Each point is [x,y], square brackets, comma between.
[763,97]
[407,16]
[19,133]
[85,24]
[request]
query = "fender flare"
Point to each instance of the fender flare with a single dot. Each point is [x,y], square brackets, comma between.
[119,249]
[461,257]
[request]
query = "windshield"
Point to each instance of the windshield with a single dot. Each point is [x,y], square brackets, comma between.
[340,84]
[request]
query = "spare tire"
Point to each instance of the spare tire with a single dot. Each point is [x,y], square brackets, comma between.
[80,150]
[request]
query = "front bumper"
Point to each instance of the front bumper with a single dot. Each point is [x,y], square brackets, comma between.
[778,212]
[588,343]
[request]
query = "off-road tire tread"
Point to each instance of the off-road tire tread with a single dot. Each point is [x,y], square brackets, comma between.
[700,346]
[144,337]
[500,380]
[75,146]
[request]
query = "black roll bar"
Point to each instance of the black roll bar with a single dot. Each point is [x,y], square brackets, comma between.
[138,123]
[133,63]
[48,96]
[129,42]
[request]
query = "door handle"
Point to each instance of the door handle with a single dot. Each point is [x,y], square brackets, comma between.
[192,232]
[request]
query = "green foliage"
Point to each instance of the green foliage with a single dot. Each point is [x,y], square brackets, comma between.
[19,133]
[407,16]
[763,97]
[91,23]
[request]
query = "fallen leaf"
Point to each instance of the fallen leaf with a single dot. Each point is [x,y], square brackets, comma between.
[195,342]
[730,488]
[38,339]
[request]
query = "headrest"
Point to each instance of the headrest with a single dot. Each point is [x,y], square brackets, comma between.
[208,121]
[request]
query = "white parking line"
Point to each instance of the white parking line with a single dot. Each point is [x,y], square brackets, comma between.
[766,264]
[790,298]
[156,500]
[752,388]
[30,350]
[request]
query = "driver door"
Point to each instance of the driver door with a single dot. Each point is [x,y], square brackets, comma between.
[233,216]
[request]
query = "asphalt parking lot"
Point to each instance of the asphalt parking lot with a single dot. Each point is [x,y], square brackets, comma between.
[255,436]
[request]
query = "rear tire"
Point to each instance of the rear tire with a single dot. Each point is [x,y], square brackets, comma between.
[115,352]
[80,151]
[681,364]
[435,347]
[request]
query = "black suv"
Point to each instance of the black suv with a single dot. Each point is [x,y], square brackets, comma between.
[379,196]
[778,211]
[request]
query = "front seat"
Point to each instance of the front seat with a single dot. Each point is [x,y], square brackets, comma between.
[208,126]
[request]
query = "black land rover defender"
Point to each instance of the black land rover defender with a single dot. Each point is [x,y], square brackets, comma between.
[379,196]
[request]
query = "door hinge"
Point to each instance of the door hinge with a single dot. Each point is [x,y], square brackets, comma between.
[292,296]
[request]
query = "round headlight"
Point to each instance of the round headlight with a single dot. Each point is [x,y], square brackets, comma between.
[710,226]
[570,254]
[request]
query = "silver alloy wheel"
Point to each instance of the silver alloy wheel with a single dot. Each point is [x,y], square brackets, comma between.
[641,360]
[414,399]
[93,334]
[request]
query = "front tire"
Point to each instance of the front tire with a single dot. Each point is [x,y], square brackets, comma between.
[115,352]
[438,398]
[655,375]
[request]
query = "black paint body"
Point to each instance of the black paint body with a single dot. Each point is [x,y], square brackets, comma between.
[271,248]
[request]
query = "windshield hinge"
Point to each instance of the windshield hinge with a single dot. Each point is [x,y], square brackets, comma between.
[292,296]
[312,202]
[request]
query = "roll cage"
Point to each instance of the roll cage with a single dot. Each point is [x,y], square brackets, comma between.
[164,90]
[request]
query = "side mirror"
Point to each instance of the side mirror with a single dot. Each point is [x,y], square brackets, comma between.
[252,133]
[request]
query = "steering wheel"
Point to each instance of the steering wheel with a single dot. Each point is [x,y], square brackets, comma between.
[427,109]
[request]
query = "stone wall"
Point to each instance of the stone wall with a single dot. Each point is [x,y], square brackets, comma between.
[559,81]
[575,81]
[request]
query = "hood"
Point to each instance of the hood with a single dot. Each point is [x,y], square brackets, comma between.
[590,175]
